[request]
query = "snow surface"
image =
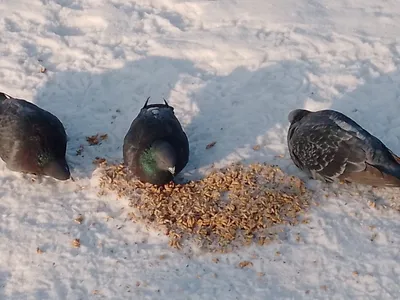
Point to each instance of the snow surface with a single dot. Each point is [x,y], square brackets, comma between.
[233,70]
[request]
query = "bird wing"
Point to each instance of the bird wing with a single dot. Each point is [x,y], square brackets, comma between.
[381,163]
[33,128]
[327,150]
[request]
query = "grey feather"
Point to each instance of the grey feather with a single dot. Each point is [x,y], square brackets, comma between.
[32,140]
[329,145]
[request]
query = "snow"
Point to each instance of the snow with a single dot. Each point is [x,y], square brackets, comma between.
[233,70]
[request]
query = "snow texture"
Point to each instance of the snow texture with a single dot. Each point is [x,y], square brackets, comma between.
[233,70]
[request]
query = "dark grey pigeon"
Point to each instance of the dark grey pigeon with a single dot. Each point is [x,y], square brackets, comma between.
[156,148]
[328,145]
[32,140]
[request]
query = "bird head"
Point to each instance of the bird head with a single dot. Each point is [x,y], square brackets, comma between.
[297,114]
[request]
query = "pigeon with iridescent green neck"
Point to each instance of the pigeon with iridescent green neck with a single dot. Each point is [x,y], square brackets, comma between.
[156,148]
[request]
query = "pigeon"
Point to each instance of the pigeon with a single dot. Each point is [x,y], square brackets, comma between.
[156,148]
[330,146]
[32,140]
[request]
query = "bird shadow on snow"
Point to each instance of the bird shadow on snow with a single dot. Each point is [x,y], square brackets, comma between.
[4,277]
[374,105]
[241,110]
[107,103]
[238,111]
[245,113]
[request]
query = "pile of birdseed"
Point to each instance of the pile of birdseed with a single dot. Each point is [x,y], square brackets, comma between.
[228,208]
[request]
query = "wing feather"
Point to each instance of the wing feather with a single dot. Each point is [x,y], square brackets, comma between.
[328,149]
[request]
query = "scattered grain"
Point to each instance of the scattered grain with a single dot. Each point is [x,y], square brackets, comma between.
[76,243]
[79,150]
[245,263]
[210,145]
[99,161]
[96,139]
[241,204]
[79,219]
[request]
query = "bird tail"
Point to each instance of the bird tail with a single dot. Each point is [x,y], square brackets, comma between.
[4,96]
[375,176]
[392,177]
[146,103]
[397,158]
[391,171]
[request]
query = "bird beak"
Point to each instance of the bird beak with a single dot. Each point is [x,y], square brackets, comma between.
[172,170]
